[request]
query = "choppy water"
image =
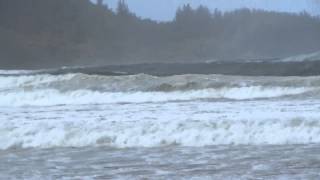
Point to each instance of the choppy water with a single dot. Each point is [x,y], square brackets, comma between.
[177,127]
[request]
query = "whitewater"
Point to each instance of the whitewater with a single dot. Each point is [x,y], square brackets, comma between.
[75,125]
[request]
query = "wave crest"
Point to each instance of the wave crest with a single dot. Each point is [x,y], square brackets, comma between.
[54,97]
[47,90]
[147,134]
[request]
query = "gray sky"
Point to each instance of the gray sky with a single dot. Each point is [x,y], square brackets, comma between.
[164,10]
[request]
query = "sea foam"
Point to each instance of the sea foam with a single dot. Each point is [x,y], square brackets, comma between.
[154,125]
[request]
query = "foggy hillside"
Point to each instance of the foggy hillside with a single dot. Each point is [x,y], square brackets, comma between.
[47,33]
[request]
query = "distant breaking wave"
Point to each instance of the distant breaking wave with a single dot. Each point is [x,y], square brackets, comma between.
[50,90]
[304,57]
[54,97]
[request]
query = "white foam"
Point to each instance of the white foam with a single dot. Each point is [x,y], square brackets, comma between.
[54,97]
[15,82]
[15,72]
[183,124]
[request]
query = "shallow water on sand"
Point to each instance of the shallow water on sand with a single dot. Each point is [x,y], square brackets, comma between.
[212,162]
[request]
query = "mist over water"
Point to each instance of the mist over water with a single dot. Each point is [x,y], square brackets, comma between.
[86,34]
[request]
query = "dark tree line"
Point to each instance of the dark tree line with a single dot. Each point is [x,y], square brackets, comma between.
[50,33]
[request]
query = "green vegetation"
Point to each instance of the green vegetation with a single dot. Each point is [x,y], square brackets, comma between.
[51,33]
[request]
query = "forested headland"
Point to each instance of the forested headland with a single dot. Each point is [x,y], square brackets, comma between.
[53,33]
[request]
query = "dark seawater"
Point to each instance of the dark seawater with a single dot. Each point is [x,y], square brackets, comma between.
[249,68]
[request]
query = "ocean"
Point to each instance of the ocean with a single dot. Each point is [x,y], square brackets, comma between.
[139,126]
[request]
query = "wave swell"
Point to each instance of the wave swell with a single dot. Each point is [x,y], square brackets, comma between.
[48,90]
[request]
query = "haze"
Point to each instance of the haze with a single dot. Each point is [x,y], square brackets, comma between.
[47,34]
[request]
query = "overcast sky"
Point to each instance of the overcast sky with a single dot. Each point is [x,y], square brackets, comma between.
[164,10]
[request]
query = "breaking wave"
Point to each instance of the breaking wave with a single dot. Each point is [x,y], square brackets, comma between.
[303,58]
[216,110]
[48,90]
[155,134]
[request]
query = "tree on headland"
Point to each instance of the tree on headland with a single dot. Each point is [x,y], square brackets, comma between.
[38,33]
[123,9]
